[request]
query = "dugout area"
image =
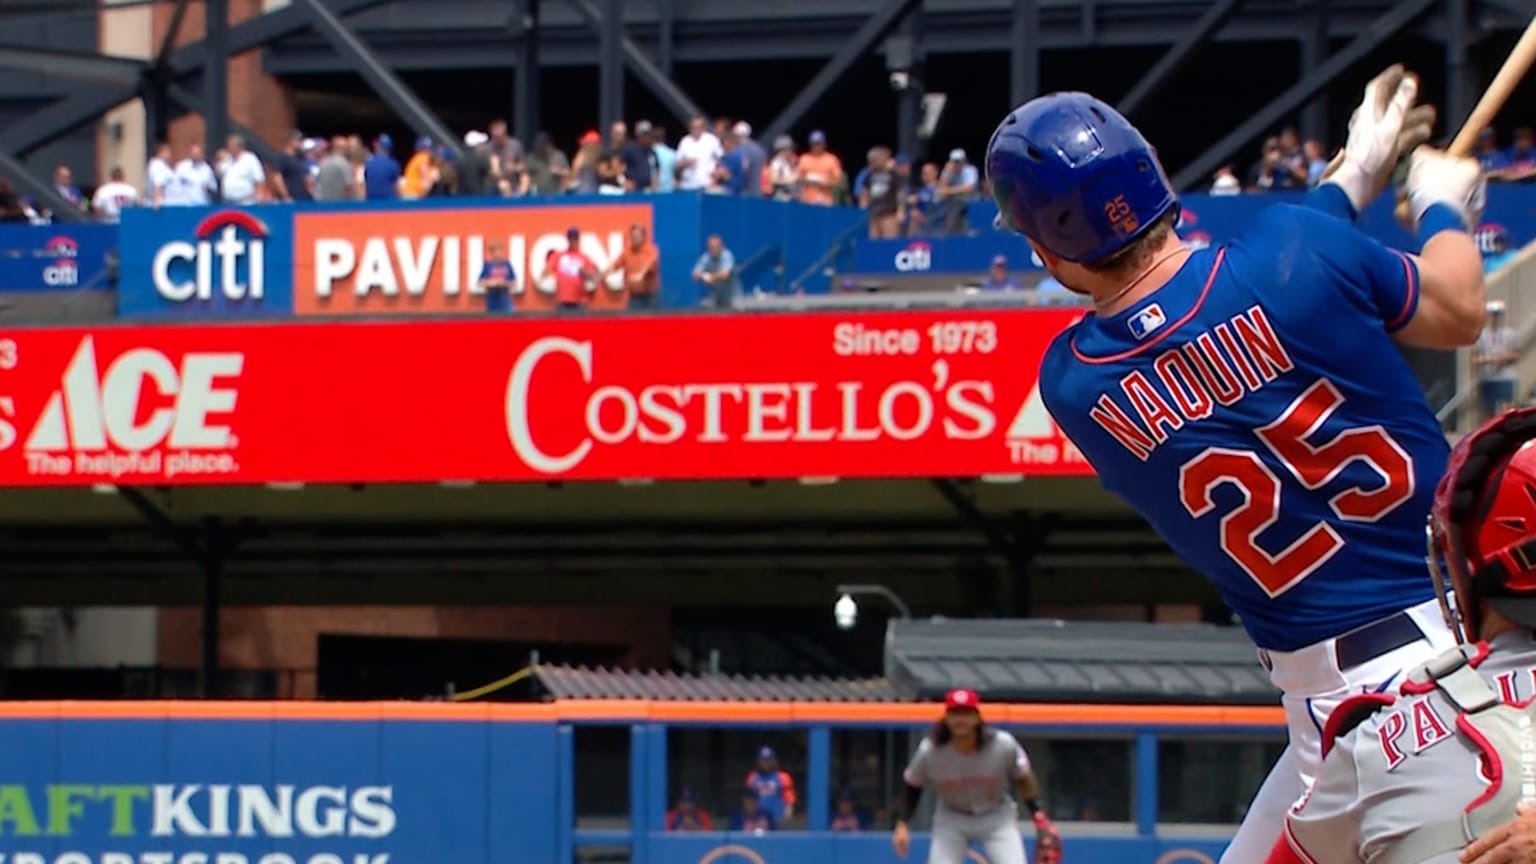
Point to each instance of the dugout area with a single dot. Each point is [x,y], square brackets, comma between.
[966,546]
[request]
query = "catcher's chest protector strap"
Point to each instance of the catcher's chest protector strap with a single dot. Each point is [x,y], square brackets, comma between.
[1509,733]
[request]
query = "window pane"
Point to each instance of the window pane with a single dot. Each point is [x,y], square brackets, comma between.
[1206,781]
[602,776]
[1086,779]
[1083,779]
[713,765]
[867,766]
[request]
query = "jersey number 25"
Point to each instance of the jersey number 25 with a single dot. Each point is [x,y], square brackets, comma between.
[1313,466]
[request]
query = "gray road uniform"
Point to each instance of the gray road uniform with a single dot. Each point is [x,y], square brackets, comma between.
[975,797]
[1421,777]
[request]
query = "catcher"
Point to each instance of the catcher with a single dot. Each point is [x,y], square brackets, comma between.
[1412,778]
[972,768]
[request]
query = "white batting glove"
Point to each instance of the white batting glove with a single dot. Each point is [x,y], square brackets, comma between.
[1435,177]
[1371,152]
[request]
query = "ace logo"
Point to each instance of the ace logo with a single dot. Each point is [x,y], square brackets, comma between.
[94,410]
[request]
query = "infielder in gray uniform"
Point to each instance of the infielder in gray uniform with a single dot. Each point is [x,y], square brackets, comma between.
[1413,777]
[972,769]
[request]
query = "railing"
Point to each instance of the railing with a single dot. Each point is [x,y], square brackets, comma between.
[824,264]
[1515,285]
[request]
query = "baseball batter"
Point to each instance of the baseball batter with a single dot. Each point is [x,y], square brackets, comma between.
[1413,776]
[1249,400]
[972,768]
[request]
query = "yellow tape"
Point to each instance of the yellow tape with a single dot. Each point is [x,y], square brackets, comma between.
[468,695]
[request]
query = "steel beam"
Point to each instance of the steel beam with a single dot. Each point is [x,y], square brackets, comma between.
[215,107]
[172,33]
[87,106]
[658,82]
[380,78]
[610,64]
[525,110]
[1024,52]
[666,35]
[909,102]
[1517,8]
[93,68]
[40,190]
[1314,50]
[1405,12]
[875,28]
[1179,54]
[1458,72]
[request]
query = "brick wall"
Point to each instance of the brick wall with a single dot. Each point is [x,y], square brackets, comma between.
[287,637]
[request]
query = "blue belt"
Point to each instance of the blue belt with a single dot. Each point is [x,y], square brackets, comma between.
[1364,644]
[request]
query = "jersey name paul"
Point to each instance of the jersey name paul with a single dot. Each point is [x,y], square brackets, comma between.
[1218,367]
[1414,727]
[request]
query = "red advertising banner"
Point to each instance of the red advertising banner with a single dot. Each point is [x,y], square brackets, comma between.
[919,394]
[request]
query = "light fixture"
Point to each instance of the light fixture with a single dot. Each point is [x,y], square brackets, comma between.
[845,612]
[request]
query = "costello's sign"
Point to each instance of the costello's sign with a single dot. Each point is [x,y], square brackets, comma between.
[911,394]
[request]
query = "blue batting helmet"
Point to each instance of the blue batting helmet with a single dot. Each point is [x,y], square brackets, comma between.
[1073,175]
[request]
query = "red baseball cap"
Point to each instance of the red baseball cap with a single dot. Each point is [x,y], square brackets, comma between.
[960,698]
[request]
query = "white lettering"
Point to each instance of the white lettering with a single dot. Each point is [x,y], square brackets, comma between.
[373,812]
[334,261]
[218,810]
[416,263]
[760,410]
[89,413]
[314,818]
[275,815]
[416,266]
[888,417]
[519,429]
[223,254]
[376,272]
[173,814]
[975,408]
[753,413]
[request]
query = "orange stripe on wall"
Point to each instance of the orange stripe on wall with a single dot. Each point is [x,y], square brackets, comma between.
[601,710]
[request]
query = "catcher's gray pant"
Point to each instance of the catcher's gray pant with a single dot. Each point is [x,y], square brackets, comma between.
[996,831]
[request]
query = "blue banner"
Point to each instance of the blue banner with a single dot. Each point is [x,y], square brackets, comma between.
[206,262]
[1509,219]
[355,791]
[56,257]
[263,261]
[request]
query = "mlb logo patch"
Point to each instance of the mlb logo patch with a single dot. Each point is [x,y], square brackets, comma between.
[1147,321]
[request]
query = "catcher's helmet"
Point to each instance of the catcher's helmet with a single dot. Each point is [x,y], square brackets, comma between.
[1073,175]
[1482,526]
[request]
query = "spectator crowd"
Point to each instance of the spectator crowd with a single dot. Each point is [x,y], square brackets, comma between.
[718,157]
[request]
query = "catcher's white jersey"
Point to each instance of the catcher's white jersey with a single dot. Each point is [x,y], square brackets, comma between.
[971,783]
[1404,767]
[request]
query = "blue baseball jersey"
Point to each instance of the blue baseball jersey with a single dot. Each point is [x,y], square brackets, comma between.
[1257,413]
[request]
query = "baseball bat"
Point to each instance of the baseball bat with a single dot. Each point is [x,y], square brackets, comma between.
[1519,62]
[1515,66]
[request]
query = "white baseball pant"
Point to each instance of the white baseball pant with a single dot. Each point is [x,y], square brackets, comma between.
[1313,686]
[996,831]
